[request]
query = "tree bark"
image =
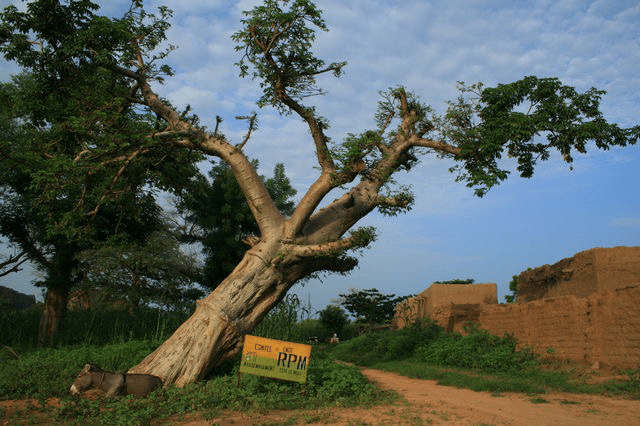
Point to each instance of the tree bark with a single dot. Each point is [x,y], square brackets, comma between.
[55,306]
[215,331]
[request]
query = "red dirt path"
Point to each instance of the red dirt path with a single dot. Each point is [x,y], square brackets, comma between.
[427,403]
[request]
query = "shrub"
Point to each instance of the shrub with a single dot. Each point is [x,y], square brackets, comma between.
[50,372]
[478,349]
[313,328]
[388,345]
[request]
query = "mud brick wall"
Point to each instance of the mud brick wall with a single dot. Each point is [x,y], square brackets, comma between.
[587,272]
[440,298]
[604,328]
[441,295]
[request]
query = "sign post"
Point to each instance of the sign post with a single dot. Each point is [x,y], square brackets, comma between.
[275,358]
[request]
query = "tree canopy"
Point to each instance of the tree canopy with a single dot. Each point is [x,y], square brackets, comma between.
[370,306]
[76,169]
[218,217]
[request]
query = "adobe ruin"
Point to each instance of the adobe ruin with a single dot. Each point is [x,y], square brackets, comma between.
[584,308]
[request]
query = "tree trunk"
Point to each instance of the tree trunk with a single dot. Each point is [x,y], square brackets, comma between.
[215,331]
[55,306]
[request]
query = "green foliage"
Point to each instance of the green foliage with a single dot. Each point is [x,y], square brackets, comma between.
[630,386]
[428,343]
[20,327]
[281,322]
[77,169]
[478,349]
[276,40]
[311,327]
[456,281]
[92,327]
[50,372]
[156,272]
[371,306]
[378,346]
[513,288]
[218,209]
[515,119]
[334,318]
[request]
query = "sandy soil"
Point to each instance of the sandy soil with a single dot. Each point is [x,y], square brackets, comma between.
[430,404]
[466,407]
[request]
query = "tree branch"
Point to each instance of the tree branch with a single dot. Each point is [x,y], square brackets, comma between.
[293,252]
[15,261]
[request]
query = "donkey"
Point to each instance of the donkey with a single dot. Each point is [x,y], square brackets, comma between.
[93,377]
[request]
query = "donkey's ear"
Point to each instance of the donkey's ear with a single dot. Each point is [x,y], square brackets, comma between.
[87,368]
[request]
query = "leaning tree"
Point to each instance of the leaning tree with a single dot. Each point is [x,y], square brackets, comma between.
[275,42]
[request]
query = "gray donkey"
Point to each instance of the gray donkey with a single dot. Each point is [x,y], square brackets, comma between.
[93,377]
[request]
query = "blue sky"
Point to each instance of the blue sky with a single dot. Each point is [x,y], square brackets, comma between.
[428,46]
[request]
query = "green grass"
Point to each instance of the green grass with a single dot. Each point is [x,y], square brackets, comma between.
[49,372]
[477,361]
[39,374]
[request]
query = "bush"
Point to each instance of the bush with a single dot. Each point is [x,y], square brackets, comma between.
[313,328]
[50,372]
[478,349]
[388,345]
[20,327]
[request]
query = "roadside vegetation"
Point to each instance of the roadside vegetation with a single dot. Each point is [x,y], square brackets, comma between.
[476,360]
[116,341]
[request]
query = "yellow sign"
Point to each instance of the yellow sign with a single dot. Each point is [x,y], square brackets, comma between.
[275,358]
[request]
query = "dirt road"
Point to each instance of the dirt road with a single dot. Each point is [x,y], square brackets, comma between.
[428,403]
[467,407]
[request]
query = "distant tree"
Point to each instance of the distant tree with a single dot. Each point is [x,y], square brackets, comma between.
[155,271]
[456,281]
[513,288]
[334,318]
[218,216]
[370,306]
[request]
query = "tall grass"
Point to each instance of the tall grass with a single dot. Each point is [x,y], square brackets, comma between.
[19,329]
[281,322]
[42,373]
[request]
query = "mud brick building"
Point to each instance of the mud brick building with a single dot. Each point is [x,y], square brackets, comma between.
[585,308]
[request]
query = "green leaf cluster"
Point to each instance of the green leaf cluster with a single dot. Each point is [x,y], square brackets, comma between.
[526,120]
[276,41]
[218,208]
[370,306]
[334,318]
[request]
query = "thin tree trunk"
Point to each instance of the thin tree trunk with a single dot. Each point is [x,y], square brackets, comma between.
[216,329]
[55,306]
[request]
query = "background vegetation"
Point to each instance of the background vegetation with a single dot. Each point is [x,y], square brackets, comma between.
[118,340]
